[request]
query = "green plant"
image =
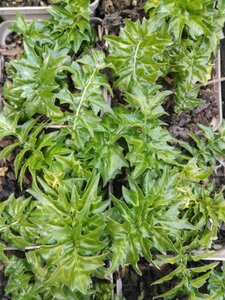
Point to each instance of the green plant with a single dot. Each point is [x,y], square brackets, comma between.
[195,27]
[109,184]
[217,284]
[35,82]
[193,18]
[138,54]
[189,279]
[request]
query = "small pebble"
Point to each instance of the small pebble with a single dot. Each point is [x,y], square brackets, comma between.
[217,246]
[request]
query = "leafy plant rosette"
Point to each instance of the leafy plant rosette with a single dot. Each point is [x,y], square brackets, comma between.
[110,184]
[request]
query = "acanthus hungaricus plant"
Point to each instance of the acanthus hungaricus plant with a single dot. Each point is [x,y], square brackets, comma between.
[109,184]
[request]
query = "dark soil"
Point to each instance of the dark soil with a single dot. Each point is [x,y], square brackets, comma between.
[180,125]
[2,283]
[137,287]
[12,50]
[15,3]
[140,287]
[8,181]
[113,13]
[7,177]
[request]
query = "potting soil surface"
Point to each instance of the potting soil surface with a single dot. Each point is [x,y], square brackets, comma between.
[16,3]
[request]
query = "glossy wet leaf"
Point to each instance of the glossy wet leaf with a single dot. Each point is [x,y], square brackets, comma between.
[138,54]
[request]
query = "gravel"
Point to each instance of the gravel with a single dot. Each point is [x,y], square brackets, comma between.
[15,3]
